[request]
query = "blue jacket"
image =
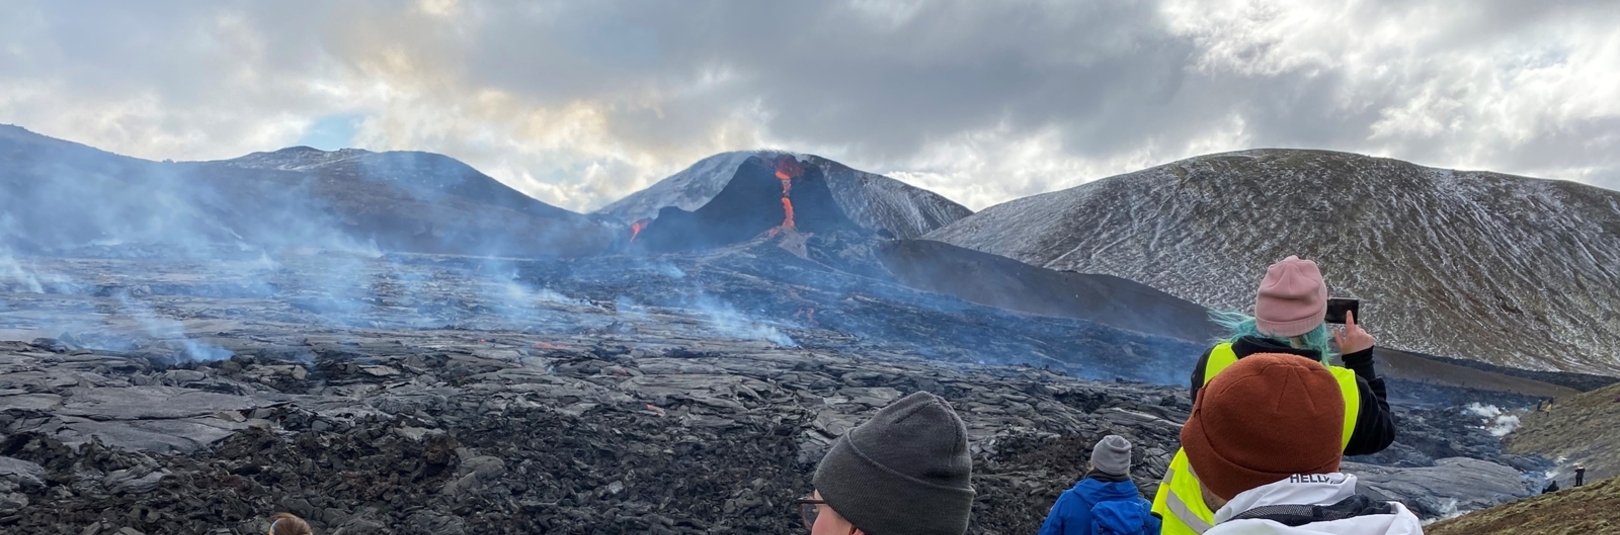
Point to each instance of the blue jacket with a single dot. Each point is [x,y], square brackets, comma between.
[1122,510]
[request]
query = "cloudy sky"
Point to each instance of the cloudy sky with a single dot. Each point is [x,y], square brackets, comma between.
[579,103]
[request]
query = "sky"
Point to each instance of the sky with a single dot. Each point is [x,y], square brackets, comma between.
[580,103]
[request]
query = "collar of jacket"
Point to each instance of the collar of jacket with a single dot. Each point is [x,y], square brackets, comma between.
[1314,489]
[1250,345]
[1106,478]
[1319,489]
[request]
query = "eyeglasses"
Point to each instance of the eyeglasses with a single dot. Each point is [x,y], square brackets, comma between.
[808,509]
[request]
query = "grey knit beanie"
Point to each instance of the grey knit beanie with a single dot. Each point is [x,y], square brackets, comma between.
[904,472]
[1112,456]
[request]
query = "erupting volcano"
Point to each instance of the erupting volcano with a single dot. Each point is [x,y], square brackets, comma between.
[868,200]
[747,208]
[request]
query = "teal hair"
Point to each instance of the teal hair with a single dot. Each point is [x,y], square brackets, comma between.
[1238,325]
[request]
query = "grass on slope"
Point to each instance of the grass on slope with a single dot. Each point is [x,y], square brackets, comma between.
[1583,428]
[1590,510]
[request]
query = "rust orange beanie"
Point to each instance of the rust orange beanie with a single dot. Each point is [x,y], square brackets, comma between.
[1263,419]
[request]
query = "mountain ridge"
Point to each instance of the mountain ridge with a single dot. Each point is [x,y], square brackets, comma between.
[425,174]
[1447,261]
[66,195]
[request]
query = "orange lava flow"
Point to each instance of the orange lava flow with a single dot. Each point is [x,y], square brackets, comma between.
[637,227]
[787,167]
[787,208]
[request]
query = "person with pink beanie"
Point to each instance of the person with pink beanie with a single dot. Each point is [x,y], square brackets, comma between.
[1290,311]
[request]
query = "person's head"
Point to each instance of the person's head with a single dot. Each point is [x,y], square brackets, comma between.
[287,524]
[906,471]
[1112,456]
[1265,418]
[1290,307]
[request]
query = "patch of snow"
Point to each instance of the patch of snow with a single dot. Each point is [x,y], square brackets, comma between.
[295,158]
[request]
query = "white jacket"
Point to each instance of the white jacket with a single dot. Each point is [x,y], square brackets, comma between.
[1320,489]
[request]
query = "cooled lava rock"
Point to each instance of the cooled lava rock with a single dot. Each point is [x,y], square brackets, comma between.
[688,393]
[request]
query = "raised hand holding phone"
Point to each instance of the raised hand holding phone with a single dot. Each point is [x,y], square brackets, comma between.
[1352,338]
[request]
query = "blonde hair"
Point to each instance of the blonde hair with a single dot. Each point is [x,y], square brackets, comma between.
[287,524]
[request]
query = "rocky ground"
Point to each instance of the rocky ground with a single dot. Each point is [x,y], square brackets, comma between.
[448,432]
[448,395]
[479,432]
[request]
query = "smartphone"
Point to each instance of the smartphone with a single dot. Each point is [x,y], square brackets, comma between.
[1337,306]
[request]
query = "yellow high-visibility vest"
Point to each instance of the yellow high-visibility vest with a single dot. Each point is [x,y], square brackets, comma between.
[1180,500]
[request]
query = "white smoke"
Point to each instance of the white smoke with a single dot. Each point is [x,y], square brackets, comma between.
[726,320]
[13,275]
[1500,422]
[169,330]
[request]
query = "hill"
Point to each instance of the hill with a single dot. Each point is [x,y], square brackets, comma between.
[1588,510]
[1580,429]
[427,176]
[64,196]
[1447,262]
[1002,282]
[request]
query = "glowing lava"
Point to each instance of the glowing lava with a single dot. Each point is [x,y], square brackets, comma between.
[787,168]
[637,227]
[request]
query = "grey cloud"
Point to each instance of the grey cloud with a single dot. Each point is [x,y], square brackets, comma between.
[833,78]
[881,85]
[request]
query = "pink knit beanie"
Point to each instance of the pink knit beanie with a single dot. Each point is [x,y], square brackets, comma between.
[1292,300]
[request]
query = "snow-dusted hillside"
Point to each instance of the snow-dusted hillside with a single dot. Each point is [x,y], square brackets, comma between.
[1505,269]
[64,196]
[873,201]
[429,177]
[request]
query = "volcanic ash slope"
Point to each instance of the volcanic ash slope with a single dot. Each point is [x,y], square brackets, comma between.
[1504,269]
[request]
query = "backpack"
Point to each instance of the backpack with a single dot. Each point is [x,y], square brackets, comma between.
[1124,517]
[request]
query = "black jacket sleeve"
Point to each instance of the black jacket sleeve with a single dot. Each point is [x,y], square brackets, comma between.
[1361,362]
[1375,426]
[1197,380]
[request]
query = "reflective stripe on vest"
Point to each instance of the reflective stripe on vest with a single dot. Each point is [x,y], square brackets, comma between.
[1180,499]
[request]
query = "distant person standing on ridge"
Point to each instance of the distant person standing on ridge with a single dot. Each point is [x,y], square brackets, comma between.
[1290,313]
[1580,475]
[1105,501]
